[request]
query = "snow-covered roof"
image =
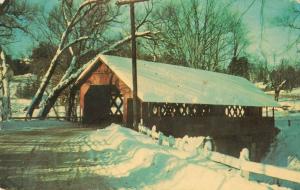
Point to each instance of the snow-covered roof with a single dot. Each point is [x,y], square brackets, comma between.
[158,82]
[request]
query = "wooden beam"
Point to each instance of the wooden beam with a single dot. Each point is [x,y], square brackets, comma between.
[123,2]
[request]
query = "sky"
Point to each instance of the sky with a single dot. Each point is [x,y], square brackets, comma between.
[23,44]
[275,39]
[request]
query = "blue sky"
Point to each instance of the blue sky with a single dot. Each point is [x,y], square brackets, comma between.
[24,43]
[275,39]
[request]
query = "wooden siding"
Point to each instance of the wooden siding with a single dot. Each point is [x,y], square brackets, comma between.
[104,76]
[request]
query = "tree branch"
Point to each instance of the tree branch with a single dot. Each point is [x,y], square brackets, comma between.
[148,34]
[73,21]
[69,45]
[144,20]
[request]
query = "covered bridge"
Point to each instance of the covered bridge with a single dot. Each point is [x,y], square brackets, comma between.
[178,100]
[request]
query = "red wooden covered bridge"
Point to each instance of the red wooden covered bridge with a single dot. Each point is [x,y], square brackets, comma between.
[179,101]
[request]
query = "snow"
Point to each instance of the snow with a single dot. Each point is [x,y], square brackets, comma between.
[295,92]
[186,143]
[124,159]
[287,141]
[138,162]
[19,104]
[288,106]
[21,82]
[261,85]
[130,160]
[170,83]
[13,125]
[285,151]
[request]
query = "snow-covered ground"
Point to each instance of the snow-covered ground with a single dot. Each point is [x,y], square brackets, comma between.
[123,159]
[22,88]
[289,107]
[285,150]
[19,105]
[295,93]
[160,167]
[112,158]
[289,100]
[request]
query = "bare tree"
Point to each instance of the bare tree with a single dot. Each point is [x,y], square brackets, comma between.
[67,41]
[291,19]
[198,33]
[89,21]
[14,15]
[72,74]
[282,77]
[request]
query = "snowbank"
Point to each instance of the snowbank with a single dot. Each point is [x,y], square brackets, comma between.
[69,157]
[287,141]
[130,160]
[285,150]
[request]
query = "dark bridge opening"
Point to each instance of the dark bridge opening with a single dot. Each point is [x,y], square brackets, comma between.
[103,104]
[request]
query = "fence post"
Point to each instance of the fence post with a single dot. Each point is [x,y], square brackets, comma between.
[244,156]
[153,132]
[160,138]
[140,126]
[171,140]
[208,144]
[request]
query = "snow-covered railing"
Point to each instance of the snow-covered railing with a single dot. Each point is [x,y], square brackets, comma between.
[254,167]
[186,143]
[243,163]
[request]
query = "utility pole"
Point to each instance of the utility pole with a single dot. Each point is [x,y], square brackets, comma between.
[133,55]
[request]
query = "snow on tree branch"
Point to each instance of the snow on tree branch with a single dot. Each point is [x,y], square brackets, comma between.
[113,47]
[70,77]
[75,42]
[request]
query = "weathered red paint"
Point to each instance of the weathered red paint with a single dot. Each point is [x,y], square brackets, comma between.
[104,76]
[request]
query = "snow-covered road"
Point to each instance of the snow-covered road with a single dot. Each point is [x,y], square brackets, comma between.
[44,155]
[59,155]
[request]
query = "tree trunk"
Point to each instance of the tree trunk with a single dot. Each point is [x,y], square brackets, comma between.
[6,109]
[5,75]
[277,93]
[45,81]
[53,95]
[71,114]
